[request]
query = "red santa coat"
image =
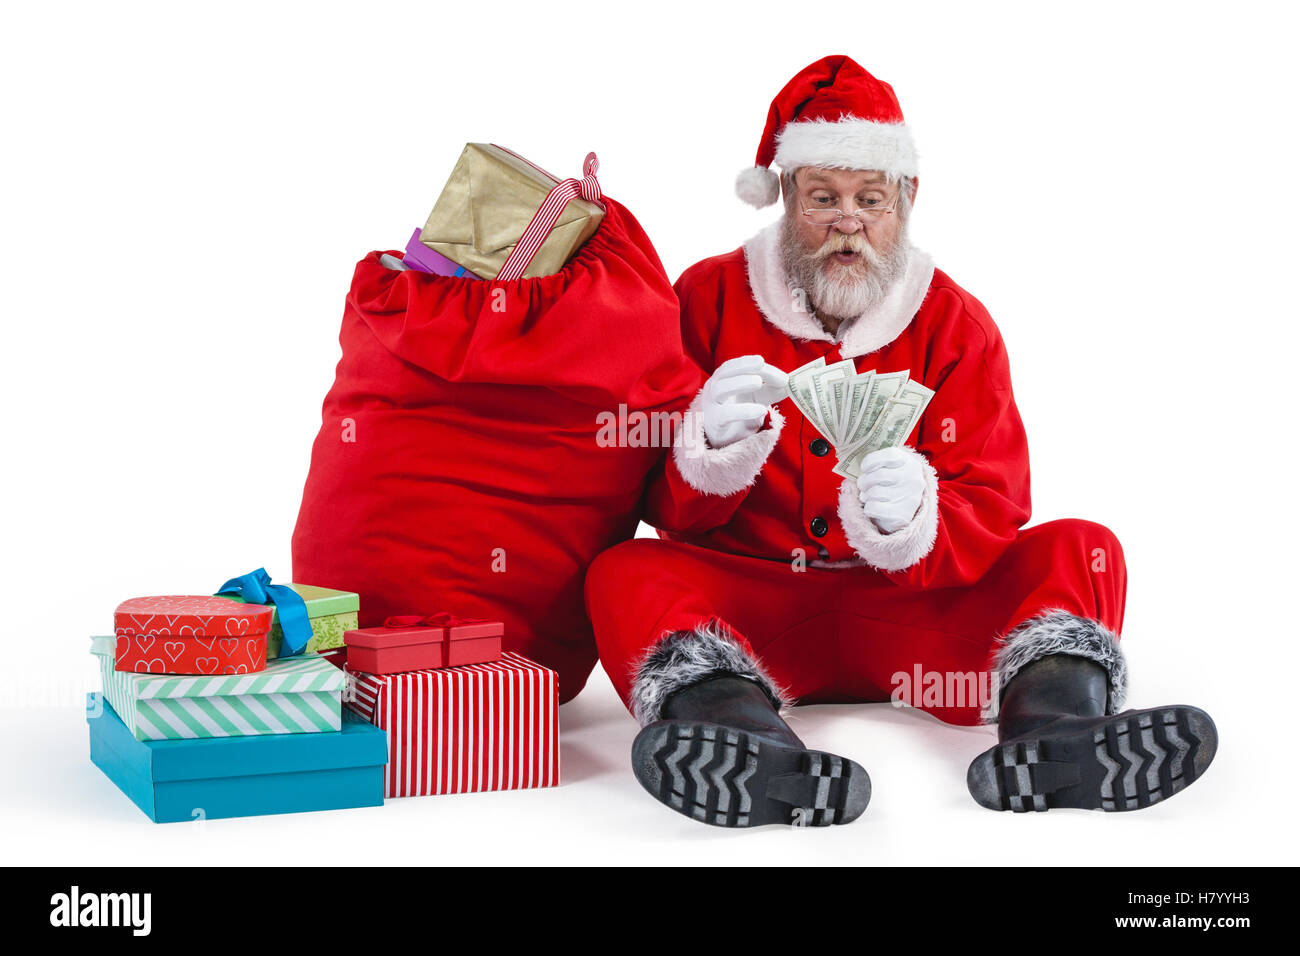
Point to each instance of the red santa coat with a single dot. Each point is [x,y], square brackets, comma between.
[976,458]
[926,604]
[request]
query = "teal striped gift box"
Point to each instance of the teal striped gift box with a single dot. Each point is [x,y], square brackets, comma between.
[297,695]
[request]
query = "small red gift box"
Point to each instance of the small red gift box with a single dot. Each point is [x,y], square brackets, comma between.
[473,642]
[393,650]
[414,643]
[190,634]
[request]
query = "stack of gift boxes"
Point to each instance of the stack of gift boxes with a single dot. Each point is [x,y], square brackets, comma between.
[204,713]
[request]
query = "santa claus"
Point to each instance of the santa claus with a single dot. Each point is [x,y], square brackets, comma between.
[775,579]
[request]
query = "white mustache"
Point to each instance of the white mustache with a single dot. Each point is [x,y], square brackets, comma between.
[843,243]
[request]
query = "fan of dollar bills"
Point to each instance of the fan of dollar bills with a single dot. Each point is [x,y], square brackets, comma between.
[858,413]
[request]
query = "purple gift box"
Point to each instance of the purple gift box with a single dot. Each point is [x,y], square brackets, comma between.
[422,258]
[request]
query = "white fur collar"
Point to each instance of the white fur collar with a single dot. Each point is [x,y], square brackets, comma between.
[872,330]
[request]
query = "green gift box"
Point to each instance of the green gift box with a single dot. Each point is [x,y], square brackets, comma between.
[331,614]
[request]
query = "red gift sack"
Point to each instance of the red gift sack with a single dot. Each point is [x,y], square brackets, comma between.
[463,458]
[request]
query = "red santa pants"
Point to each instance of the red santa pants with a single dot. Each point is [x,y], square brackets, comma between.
[851,635]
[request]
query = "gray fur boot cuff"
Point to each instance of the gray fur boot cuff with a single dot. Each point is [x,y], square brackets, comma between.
[683,658]
[1058,632]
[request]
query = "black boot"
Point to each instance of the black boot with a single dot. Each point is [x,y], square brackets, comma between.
[722,754]
[1059,748]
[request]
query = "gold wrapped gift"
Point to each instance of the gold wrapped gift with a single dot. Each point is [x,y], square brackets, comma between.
[488,203]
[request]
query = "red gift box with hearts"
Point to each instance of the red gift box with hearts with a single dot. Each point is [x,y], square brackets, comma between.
[190,634]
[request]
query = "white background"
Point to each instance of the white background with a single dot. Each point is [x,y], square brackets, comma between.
[186,190]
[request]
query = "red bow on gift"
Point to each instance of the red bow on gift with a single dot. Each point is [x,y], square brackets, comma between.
[441,619]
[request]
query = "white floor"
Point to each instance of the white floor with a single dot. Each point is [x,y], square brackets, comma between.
[61,810]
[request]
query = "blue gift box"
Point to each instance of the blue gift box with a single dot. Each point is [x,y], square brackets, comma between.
[214,777]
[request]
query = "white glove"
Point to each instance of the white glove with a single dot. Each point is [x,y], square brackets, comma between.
[890,488]
[736,398]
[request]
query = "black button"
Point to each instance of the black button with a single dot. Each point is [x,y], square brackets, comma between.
[818,526]
[819,447]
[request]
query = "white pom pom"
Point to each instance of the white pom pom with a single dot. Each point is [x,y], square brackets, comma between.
[758,186]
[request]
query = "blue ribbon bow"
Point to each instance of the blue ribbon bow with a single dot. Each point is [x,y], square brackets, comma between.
[255,587]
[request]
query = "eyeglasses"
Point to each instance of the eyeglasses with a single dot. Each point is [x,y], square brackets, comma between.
[868,215]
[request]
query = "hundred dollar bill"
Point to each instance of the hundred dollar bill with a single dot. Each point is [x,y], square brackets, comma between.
[801,392]
[891,429]
[884,386]
[896,422]
[821,382]
[855,396]
[838,390]
[915,390]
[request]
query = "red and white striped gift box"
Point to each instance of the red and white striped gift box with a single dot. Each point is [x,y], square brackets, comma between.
[465,729]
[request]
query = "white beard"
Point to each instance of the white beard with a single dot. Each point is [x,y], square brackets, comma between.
[846,292]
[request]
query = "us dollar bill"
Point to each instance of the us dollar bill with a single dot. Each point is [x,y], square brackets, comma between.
[891,428]
[838,390]
[827,410]
[899,416]
[884,386]
[915,390]
[855,397]
[801,392]
[857,412]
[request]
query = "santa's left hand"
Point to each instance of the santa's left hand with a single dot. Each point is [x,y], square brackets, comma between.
[890,488]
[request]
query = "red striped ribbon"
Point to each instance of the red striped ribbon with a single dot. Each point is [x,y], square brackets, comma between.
[545,218]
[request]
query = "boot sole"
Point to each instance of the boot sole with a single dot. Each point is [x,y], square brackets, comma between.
[1125,762]
[729,778]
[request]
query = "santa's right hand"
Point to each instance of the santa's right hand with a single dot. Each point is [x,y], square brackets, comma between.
[734,401]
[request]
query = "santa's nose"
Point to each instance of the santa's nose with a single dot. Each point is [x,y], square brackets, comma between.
[849,224]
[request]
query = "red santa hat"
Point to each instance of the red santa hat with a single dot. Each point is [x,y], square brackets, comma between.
[832,114]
